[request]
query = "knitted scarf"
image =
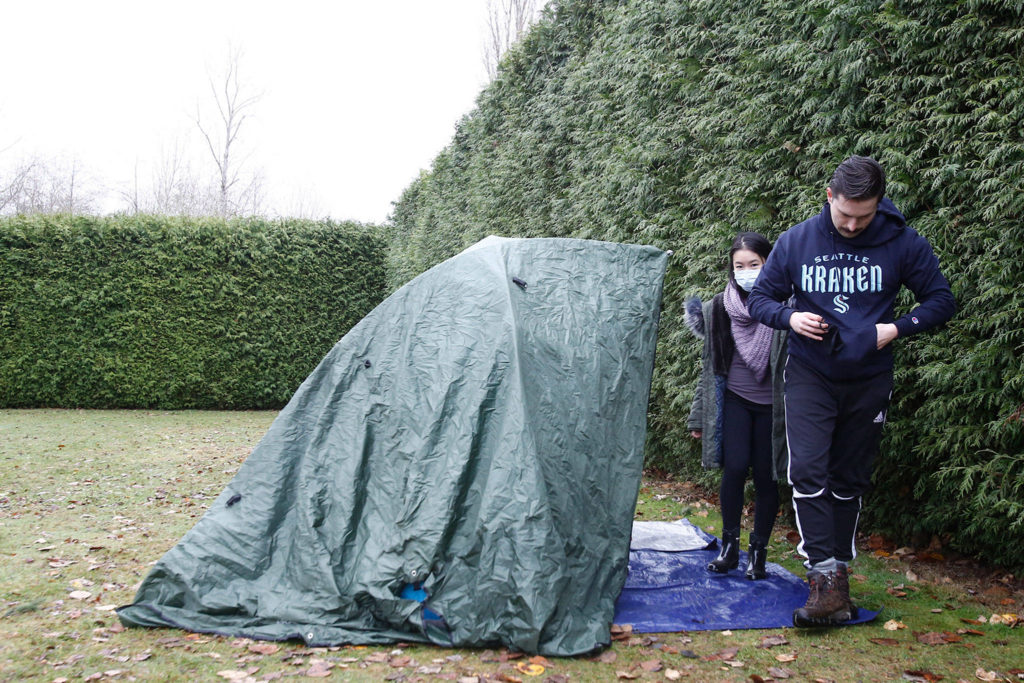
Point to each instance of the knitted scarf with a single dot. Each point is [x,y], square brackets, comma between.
[753,340]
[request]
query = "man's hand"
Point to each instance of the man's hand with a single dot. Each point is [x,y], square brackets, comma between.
[886,333]
[810,325]
[695,433]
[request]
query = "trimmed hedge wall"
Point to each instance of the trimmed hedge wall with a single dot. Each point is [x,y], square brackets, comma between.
[156,312]
[678,123]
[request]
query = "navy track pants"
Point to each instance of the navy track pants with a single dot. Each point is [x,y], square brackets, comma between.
[833,428]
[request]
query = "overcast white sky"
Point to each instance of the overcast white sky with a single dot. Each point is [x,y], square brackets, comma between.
[357,95]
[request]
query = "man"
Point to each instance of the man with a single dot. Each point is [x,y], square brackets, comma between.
[843,269]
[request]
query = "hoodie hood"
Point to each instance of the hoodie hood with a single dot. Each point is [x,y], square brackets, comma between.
[886,226]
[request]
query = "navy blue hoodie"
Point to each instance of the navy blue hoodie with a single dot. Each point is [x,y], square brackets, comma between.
[852,283]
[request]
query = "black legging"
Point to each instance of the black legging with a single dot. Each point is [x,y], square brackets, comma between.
[747,444]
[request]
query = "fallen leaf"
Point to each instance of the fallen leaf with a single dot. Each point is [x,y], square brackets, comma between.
[264,648]
[398,662]
[793,537]
[936,638]
[779,672]
[233,674]
[926,676]
[672,674]
[893,625]
[790,657]
[80,595]
[542,661]
[621,631]
[529,669]
[319,669]
[651,665]
[729,652]
[772,641]
[983,675]
[970,631]
[884,641]
[626,675]
[607,657]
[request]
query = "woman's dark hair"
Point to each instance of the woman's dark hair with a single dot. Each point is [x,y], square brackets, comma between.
[858,178]
[752,241]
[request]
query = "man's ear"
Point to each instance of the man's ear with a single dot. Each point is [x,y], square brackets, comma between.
[828,194]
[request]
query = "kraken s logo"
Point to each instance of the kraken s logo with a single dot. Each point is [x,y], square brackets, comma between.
[840,303]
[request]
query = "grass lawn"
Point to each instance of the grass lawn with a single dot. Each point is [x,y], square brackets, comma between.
[89,500]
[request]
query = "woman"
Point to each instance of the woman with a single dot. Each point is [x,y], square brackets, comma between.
[737,406]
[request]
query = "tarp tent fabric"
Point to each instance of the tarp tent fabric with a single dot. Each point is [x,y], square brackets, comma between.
[478,437]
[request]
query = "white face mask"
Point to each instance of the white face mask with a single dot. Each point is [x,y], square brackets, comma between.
[746,278]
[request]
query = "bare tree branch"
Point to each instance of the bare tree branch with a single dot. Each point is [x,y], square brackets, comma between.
[507,22]
[233,107]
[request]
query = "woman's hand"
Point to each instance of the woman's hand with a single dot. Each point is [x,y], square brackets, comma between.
[810,325]
[696,433]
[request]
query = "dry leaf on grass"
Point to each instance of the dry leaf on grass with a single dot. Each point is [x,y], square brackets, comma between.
[787,657]
[772,641]
[651,665]
[529,669]
[884,641]
[672,674]
[779,672]
[319,669]
[264,648]
[621,631]
[937,638]
[925,676]
[893,625]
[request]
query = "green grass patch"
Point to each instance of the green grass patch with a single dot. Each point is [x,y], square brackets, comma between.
[89,500]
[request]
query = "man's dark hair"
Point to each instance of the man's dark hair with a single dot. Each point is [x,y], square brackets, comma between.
[858,178]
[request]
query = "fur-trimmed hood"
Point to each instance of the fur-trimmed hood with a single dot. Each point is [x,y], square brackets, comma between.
[693,316]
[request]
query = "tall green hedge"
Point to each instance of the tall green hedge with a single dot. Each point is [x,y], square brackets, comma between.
[678,123]
[155,312]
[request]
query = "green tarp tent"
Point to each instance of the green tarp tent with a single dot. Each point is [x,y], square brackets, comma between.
[461,468]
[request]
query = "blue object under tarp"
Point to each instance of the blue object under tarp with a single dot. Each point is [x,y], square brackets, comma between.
[672,590]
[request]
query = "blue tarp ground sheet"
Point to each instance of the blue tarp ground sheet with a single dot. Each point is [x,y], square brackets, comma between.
[669,588]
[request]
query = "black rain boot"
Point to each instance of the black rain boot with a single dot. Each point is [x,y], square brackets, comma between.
[729,557]
[757,555]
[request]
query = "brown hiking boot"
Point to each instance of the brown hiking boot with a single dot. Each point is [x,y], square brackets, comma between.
[825,605]
[843,586]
